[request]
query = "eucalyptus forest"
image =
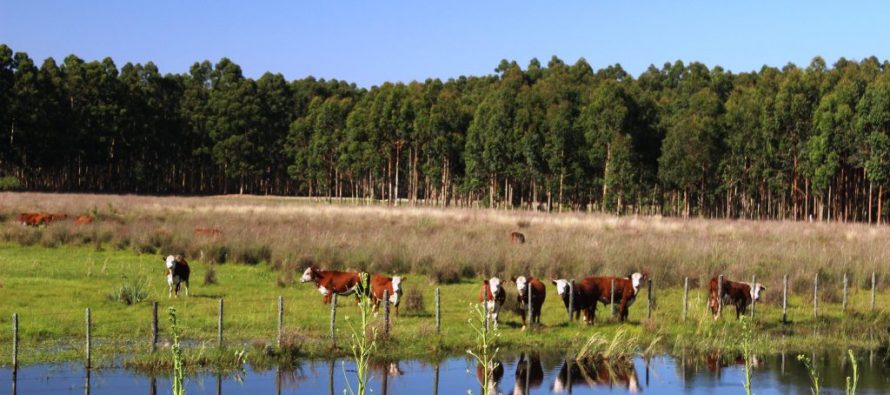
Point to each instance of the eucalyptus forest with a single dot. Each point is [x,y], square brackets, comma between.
[789,143]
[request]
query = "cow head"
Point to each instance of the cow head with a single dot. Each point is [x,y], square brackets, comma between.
[494,284]
[310,274]
[637,279]
[562,287]
[396,290]
[521,284]
[756,290]
[170,261]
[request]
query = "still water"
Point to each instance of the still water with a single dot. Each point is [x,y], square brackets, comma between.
[534,373]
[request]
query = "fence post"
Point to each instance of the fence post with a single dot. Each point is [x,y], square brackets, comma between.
[816,296]
[685,297]
[785,299]
[612,297]
[333,318]
[280,320]
[719,295]
[753,300]
[154,326]
[529,303]
[872,291]
[571,300]
[649,301]
[88,345]
[219,328]
[485,289]
[385,314]
[15,343]
[845,293]
[438,312]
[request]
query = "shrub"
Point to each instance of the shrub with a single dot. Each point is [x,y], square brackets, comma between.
[130,292]
[210,276]
[254,254]
[9,183]
[413,300]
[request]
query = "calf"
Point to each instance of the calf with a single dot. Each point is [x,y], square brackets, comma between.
[517,238]
[584,296]
[177,273]
[735,293]
[393,287]
[625,291]
[493,295]
[83,220]
[329,282]
[538,295]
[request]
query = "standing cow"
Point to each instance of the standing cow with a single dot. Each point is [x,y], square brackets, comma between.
[393,287]
[626,290]
[177,273]
[539,293]
[735,293]
[492,293]
[584,296]
[329,282]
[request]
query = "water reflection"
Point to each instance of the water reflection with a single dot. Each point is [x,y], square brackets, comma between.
[596,373]
[494,377]
[529,373]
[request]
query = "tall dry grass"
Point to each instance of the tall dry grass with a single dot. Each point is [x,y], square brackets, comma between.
[450,244]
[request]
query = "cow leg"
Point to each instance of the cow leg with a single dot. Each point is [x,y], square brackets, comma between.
[186,288]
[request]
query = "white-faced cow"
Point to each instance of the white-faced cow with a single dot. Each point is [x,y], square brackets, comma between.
[177,273]
[329,282]
[493,295]
[539,293]
[626,289]
[739,294]
[393,288]
[584,296]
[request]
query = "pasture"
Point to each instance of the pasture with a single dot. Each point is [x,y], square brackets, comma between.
[52,273]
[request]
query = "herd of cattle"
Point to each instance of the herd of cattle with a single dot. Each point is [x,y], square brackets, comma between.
[38,219]
[581,297]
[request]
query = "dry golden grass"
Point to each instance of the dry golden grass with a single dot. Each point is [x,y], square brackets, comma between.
[448,244]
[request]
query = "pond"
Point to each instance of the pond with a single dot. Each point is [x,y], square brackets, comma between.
[539,373]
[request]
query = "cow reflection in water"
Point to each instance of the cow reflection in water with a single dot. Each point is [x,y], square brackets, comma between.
[494,376]
[716,362]
[596,373]
[528,370]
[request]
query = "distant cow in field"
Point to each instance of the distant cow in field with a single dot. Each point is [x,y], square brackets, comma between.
[177,273]
[517,238]
[30,219]
[740,294]
[626,289]
[493,294]
[539,293]
[83,220]
[584,296]
[37,219]
[393,287]
[329,282]
[209,232]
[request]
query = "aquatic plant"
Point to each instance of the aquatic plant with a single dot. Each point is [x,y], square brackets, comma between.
[854,381]
[747,333]
[363,345]
[486,343]
[178,368]
[814,375]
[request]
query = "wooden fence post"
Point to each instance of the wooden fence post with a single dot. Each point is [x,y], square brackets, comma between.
[845,293]
[649,301]
[89,340]
[154,326]
[528,289]
[438,312]
[333,319]
[219,325]
[816,296]
[753,300]
[872,291]
[15,344]
[612,297]
[280,320]
[485,305]
[785,299]
[385,314]
[571,300]
[719,295]
[685,297]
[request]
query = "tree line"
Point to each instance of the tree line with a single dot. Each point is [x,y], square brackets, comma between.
[680,140]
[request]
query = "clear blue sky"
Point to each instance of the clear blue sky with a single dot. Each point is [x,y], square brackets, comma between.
[369,42]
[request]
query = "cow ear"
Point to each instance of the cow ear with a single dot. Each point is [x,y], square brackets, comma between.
[762,288]
[512,279]
[485,282]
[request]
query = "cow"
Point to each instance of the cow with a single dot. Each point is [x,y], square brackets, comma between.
[626,290]
[740,294]
[209,232]
[584,296]
[393,287]
[37,219]
[517,238]
[177,273]
[329,282]
[493,295]
[528,369]
[83,220]
[539,293]
[28,219]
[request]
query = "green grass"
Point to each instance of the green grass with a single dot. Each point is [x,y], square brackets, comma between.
[51,287]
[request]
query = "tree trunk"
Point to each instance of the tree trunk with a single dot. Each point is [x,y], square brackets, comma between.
[561,178]
[880,204]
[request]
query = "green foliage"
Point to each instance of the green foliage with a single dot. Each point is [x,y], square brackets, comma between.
[130,291]
[178,378]
[9,183]
[486,351]
[815,386]
[852,382]
[364,341]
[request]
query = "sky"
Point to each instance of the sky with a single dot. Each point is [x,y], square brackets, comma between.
[371,42]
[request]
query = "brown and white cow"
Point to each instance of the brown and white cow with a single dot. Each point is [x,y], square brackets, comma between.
[177,273]
[393,288]
[517,238]
[329,282]
[584,297]
[626,289]
[493,294]
[739,294]
[539,293]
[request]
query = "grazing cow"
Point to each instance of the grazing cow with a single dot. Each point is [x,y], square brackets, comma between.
[329,282]
[529,368]
[626,290]
[393,286]
[517,238]
[29,219]
[584,297]
[596,373]
[539,293]
[735,293]
[209,232]
[494,294]
[83,220]
[177,274]
[37,219]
